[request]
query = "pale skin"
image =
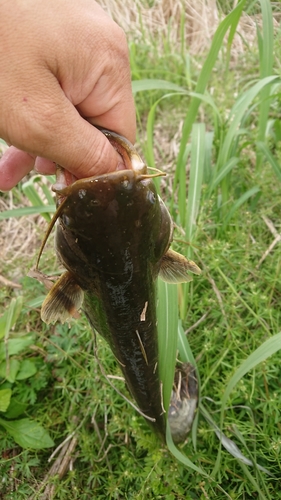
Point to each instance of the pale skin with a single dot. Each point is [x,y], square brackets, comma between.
[64,63]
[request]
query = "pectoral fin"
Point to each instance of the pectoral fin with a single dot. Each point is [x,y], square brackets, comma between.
[63,300]
[174,268]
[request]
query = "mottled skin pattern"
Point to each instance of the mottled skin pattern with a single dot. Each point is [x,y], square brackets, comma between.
[111,236]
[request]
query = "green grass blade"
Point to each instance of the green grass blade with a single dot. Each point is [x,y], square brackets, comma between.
[208,168]
[149,154]
[251,192]
[222,173]
[270,158]
[32,194]
[185,352]
[9,318]
[237,113]
[244,302]
[154,84]
[48,193]
[266,67]
[180,456]
[230,446]
[21,212]
[264,351]
[231,19]
[167,317]
[195,178]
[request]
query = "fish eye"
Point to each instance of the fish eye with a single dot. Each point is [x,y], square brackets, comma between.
[125,183]
[82,193]
[151,196]
[65,220]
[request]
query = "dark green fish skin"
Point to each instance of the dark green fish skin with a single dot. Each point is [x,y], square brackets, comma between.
[111,236]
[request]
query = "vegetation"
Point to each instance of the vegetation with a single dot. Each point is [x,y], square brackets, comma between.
[210,119]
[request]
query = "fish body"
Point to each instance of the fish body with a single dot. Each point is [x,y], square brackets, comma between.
[113,237]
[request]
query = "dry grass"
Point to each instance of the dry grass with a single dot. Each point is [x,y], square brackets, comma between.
[19,237]
[160,20]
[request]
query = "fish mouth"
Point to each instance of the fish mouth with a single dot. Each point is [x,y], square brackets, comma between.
[129,160]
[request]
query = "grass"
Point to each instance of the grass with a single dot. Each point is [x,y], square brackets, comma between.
[216,113]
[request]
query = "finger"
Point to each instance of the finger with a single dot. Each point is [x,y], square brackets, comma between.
[43,166]
[14,165]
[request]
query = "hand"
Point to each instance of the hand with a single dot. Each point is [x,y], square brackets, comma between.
[62,63]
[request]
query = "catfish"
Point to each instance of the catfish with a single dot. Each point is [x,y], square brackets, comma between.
[113,237]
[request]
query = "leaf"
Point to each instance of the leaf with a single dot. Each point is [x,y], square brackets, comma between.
[9,318]
[5,398]
[15,346]
[16,408]
[27,369]
[28,433]
[9,370]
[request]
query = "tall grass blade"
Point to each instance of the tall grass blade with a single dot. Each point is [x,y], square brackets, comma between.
[167,317]
[32,194]
[150,134]
[222,173]
[154,84]
[20,212]
[231,19]
[264,351]
[237,114]
[228,444]
[270,158]
[189,217]
[251,192]
[180,456]
[195,178]
[10,316]
[266,67]
[207,171]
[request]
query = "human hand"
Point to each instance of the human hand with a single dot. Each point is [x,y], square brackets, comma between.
[62,63]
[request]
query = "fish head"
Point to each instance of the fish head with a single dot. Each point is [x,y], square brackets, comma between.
[101,216]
